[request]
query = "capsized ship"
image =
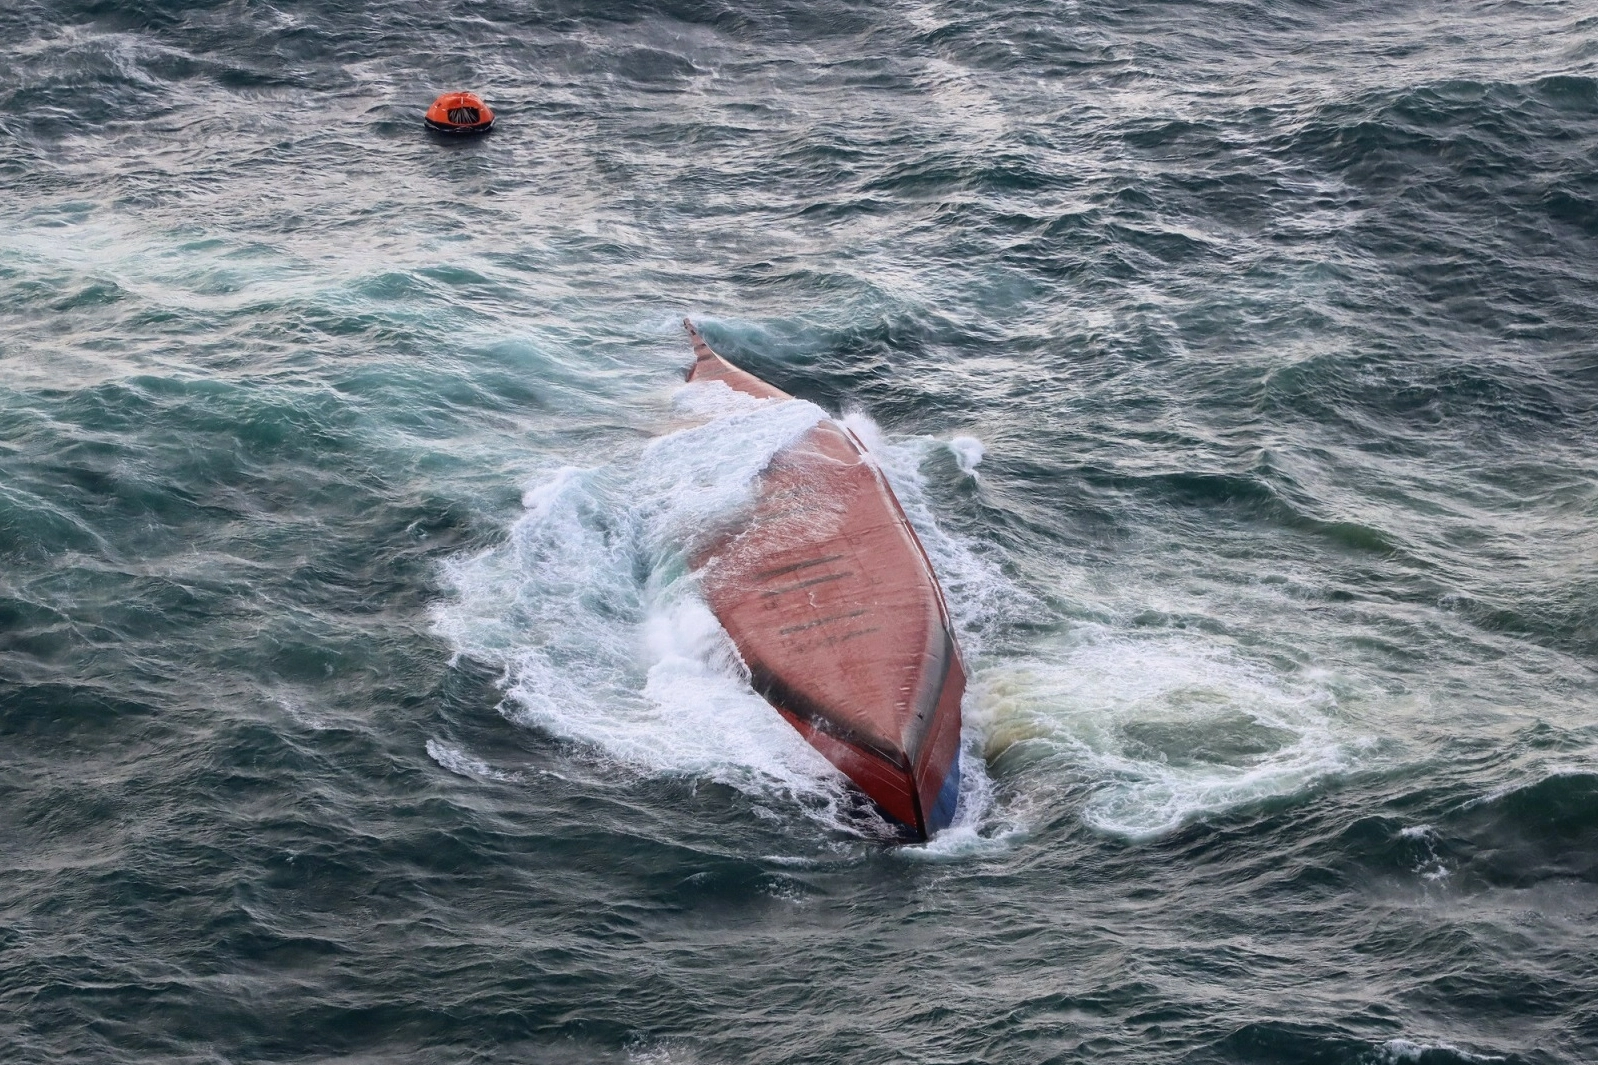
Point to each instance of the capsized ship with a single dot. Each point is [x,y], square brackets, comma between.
[833,604]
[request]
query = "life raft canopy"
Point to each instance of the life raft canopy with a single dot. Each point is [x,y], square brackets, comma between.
[459,112]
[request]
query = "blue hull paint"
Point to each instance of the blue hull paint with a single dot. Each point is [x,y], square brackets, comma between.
[942,812]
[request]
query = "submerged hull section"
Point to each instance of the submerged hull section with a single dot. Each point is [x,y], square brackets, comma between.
[831,601]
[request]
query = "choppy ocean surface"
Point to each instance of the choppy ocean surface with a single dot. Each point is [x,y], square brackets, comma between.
[1236,361]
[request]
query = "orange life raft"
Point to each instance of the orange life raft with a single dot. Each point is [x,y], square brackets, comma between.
[459,112]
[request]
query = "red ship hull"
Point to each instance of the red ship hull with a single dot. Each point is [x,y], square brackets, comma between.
[831,601]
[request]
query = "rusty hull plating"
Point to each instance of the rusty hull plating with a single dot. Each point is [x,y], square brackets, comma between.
[832,602]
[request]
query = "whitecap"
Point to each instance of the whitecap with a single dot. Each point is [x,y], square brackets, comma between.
[968,453]
[1401,1051]
[459,762]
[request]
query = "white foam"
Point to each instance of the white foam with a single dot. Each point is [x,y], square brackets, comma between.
[661,1054]
[979,596]
[1164,728]
[1430,867]
[459,762]
[298,709]
[1398,1051]
[706,400]
[981,824]
[968,452]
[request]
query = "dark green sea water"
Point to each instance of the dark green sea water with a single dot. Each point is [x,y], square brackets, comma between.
[1237,362]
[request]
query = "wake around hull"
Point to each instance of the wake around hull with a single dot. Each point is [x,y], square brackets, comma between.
[830,599]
